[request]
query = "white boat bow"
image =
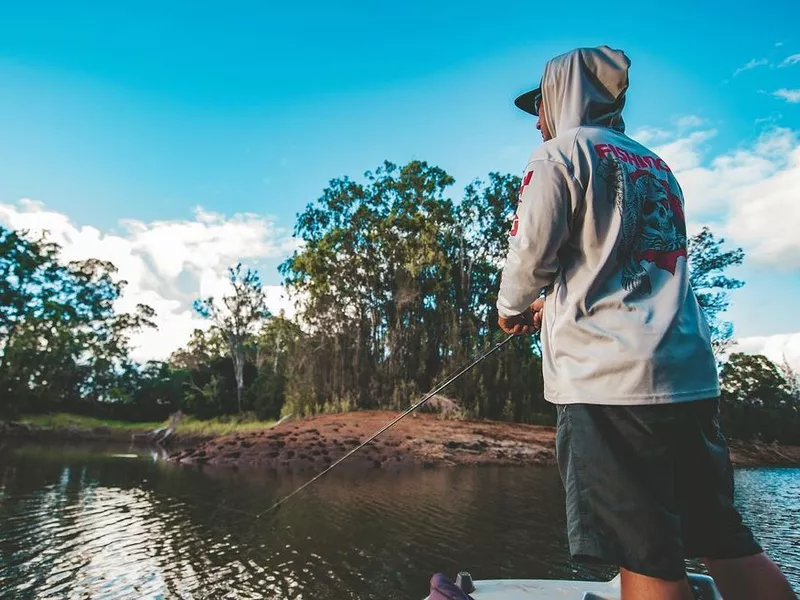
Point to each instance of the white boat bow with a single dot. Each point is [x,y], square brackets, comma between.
[547,589]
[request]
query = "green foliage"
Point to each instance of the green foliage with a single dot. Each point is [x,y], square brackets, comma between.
[150,391]
[707,265]
[225,425]
[62,343]
[235,318]
[189,426]
[759,401]
[271,352]
[84,423]
[399,284]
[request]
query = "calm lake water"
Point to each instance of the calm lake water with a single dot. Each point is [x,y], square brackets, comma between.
[100,523]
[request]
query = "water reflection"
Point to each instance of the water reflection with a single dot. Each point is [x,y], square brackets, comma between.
[75,522]
[770,502]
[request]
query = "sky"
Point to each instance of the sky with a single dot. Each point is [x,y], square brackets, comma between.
[177,138]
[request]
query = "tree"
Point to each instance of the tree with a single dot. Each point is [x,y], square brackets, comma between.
[237,317]
[757,400]
[150,391]
[372,271]
[707,265]
[203,347]
[792,377]
[271,353]
[754,380]
[62,342]
[400,285]
[205,367]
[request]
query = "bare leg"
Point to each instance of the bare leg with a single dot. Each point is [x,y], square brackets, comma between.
[642,587]
[748,578]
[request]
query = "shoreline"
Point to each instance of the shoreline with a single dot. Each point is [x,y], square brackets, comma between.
[421,440]
[140,436]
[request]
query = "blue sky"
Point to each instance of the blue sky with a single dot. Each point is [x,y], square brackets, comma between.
[111,113]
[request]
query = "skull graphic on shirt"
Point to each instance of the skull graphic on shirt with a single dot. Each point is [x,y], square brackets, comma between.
[653,223]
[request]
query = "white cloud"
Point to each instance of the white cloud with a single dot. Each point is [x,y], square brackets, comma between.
[167,264]
[753,191]
[791,60]
[778,348]
[685,153]
[651,135]
[689,122]
[752,64]
[751,196]
[765,215]
[791,96]
[770,120]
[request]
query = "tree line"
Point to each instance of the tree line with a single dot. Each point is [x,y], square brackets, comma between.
[398,285]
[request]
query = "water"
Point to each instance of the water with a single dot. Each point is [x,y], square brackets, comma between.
[80,522]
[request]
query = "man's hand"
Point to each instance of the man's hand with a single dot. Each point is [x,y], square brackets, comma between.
[538,313]
[525,323]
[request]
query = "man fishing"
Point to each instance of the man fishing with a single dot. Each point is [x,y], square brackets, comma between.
[598,259]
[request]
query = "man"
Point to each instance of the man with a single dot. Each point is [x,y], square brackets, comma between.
[627,357]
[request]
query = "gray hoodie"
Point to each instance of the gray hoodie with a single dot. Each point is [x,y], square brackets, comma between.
[600,226]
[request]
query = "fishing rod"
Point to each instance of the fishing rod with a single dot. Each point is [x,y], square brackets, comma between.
[407,412]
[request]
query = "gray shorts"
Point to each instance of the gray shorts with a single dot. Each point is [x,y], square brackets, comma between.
[649,486]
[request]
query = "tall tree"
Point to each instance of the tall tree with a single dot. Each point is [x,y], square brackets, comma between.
[708,262]
[206,371]
[271,353]
[758,401]
[754,380]
[374,274]
[237,316]
[792,377]
[400,284]
[62,341]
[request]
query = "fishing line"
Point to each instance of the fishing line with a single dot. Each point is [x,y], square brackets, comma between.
[397,419]
[223,507]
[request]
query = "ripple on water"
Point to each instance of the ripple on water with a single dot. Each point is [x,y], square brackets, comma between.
[124,529]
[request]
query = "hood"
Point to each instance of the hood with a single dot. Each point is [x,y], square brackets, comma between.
[585,86]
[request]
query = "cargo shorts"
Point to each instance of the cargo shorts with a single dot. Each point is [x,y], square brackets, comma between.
[649,486]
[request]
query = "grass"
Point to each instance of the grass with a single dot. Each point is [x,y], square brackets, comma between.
[70,421]
[189,426]
[220,426]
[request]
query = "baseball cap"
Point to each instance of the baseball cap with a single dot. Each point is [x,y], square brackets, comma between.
[529,101]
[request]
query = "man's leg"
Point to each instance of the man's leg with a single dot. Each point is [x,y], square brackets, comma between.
[713,527]
[618,467]
[749,577]
[641,587]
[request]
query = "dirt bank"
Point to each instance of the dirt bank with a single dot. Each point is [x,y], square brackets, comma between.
[757,454]
[418,440]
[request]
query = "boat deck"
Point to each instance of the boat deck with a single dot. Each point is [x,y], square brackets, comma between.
[544,589]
